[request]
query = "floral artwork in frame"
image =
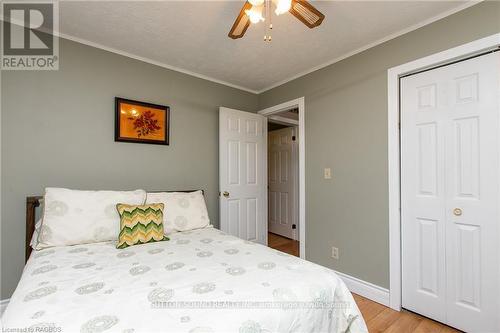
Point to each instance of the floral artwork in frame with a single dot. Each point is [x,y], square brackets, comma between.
[141,122]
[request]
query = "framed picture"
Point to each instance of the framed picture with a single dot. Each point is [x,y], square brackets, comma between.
[141,122]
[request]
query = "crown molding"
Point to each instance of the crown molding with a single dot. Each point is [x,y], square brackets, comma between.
[282,82]
[137,57]
[151,61]
[373,44]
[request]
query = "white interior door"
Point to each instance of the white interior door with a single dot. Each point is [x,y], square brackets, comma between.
[242,174]
[450,193]
[282,183]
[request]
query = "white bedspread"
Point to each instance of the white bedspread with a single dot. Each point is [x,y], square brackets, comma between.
[199,281]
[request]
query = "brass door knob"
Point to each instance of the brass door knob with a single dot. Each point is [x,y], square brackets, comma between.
[226,194]
[457,212]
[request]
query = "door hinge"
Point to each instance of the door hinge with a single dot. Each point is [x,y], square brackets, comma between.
[294,226]
[293,137]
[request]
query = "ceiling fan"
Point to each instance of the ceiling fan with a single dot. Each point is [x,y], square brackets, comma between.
[255,11]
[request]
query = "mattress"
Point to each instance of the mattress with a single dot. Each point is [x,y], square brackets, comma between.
[199,281]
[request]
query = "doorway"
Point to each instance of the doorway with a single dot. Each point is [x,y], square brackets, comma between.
[285,182]
[243,172]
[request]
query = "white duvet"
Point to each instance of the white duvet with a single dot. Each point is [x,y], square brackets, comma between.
[199,281]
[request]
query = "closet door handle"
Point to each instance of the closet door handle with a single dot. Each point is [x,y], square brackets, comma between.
[457,212]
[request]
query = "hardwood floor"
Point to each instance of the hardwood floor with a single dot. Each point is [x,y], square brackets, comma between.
[378,317]
[283,244]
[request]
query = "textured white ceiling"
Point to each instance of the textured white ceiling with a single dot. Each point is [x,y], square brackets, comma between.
[192,35]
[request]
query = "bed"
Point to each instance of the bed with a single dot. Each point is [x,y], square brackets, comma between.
[200,281]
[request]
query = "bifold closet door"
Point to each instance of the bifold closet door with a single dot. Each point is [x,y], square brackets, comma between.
[449,193]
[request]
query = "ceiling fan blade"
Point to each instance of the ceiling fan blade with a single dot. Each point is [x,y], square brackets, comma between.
[241,24]
[306,13]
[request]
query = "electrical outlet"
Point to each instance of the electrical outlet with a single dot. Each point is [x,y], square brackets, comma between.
[328,173]
[335,252]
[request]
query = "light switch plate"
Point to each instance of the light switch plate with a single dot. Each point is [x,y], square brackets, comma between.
[328,173]
[335,252]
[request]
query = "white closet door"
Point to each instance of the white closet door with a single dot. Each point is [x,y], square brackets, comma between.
[450,181]
[423,195]
[472,177]
[242,174]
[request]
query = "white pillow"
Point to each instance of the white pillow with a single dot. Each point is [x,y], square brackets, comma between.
[73,217]
[183,211]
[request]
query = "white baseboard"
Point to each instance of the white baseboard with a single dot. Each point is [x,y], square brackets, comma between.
[366,289]
[3,305]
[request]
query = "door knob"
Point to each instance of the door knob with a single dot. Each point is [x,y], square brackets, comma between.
[457,212]
[226,194]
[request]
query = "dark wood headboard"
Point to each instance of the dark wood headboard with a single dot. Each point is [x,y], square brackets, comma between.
[33,202]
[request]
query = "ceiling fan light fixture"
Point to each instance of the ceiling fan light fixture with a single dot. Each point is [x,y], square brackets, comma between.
[255,14]
[250,13]
[283,6]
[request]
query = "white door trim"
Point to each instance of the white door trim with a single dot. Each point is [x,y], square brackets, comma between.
[296,103]
[393,76]
[283,120]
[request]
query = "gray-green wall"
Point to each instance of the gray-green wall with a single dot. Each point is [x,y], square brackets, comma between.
[57,130]
[346,129]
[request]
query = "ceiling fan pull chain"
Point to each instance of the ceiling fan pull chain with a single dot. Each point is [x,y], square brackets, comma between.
[266,5]
[269,18]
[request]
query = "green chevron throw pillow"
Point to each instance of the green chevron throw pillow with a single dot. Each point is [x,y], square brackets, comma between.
[140,224]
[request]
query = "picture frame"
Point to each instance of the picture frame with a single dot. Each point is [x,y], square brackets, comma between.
[141,122]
